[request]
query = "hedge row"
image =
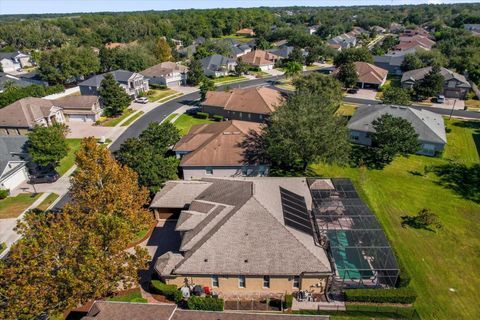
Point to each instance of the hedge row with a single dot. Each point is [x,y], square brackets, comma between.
[205,303]
[170,291]
[217,117]
[400,295]
[403,279]
[202,115]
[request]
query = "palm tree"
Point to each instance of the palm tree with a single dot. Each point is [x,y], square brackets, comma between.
[292,69]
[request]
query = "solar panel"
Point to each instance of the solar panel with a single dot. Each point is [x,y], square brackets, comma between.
[295,212]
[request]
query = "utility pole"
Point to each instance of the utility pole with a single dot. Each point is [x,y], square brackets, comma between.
[453,107]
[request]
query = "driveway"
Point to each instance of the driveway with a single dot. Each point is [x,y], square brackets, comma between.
[275,72]
[79,129]
[456,104]
[368,94]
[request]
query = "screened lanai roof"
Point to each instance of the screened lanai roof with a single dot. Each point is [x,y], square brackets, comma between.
[351,232]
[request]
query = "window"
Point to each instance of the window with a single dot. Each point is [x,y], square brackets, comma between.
[266,281]
[354,136]
[241,115]
[209,171]
[296,282]
[215,281]
[241,282]
[249,116]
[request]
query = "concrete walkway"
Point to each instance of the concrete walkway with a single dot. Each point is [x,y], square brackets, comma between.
[321,305]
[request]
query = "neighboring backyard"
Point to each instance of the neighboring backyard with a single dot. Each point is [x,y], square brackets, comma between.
[444,264]
[185,122]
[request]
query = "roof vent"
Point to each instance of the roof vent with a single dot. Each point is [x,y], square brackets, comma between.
[205,260]
[246,260]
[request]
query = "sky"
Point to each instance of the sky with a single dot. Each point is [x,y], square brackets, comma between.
[69,6]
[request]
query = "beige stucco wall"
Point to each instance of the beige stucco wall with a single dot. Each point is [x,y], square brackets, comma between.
[254,284]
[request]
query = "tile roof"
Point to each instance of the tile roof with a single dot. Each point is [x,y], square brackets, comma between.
[418,74]
[216,144]
[259,100]
[259,58]
[429,126]
[24,112]
[370,73]
[163,69]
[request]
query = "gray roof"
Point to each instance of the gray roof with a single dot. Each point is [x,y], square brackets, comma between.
[12,148]
[393,59]
[216,62]
[243,231]
[418,74]
[283,51]
[18,82]
[428,125]
[9,55]
[121,76]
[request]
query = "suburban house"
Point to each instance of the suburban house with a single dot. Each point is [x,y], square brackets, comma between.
[312,29]
[243,236]
[217,65]
[392,61]
[369,75]
[248,104]
[217,150]
[428,125]
[13,61]
[237,48]
[245,32]
[261,59]
[414,42]
[395,27]
[378,29]
[109,310]
[80,108]
[456,85]
[343,41]
[416,31]
[167,74]
[17,81]
[13,164]
[133,83]
[282,52]
[22,115]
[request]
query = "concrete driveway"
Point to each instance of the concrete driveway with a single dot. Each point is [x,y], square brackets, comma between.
[80,130]
[368,94]
[449,103]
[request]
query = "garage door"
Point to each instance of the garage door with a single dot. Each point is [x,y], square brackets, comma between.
[451,93]
[15,179]
[81,118]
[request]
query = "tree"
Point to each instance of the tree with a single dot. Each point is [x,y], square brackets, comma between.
[431,84]
[321,85]
[47,145]
[263,44]
[113,96]
[296,56]
[347,74]
[206,85]
[292,69]
[65,259]
[411,62]
[423,220]
[310,119]
[241,67]
[195,73]
[160,136]
[353,55]
[395,95]
[162,50]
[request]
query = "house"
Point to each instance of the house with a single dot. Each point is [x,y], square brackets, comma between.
[217,150]
[237,48]
[391,61]
[416,31]
[21,116]
[248,104]
[109,310]
[17,81]
[369,75]
[428,125]
[13,61]
[167,74]
[456,85]
[416,41]
[217,65]
[378,29]
[261,59]
[312,29]
[248,32]
[133,83]
[283,52]
[80,108]
[345,41]
[396,27]
[244,236]
[13,162]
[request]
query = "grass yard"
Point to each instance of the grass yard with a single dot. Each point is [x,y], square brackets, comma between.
[12,207]
[260,74]
[48,201]
[112,122]
[437,261]
[285,84]
[132,118]
[223,80]
[157,94]
[346,110]
[472,105]
[134,296]
[170,117]
[185,122]
[67,162]
[242,39]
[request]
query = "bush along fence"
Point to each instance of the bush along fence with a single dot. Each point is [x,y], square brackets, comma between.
[369,311]
[400,295]
[170,291]
[205,303]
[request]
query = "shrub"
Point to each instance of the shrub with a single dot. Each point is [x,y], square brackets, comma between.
[217,117]
[4,193]
[170,291]
[202,115]
[400,295]
[404,278]
[3,246]
[288,301]
[205,303]
[157,86]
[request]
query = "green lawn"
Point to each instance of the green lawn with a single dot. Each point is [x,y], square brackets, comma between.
[135,296]
[437,261]
[185,122]
[67,162]
[157,94]
[243,39]
[260,74]
[346,110]
[472,105]
[12,207]
[112,122]
[132,118]
[222,80]
[48,201]
[170,117]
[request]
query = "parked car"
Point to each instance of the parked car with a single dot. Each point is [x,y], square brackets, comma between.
[440,98]
[141,100]
[352,90]
[48,177]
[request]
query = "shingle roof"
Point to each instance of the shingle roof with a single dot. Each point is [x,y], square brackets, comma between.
[259,100]
[18,82]
[429,126]
[12,148]
[76,102]
[283,52]
[24,112]
[418,74]
[118,75]
[216,144]
[259,58]
[168,196]
[163,69]
[393,59]
[370,73]
[216,62]
[246,234]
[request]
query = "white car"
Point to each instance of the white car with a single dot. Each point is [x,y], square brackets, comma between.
[141,100]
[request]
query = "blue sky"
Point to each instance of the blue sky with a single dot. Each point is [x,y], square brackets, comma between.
[62,6]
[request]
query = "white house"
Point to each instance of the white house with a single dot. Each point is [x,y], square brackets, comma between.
[13,61]
[13,169]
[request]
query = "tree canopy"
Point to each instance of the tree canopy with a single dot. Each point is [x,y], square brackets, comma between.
[321,85]
[47,145]
[114,98]
[347,74]
[395,95]
[352,55]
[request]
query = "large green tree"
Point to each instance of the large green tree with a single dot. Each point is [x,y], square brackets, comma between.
[195,73]
[353,55]
[292,69]
[411,62]
[347,74]
[162,50]
[205,86]
[321,85]
[304,130]
[395,95]
[48,145]
[113,96]
[431,85]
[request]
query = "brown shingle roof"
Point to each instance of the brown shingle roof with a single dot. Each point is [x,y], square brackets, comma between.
[259,100]
[24,112]
[163,69]
[248,31]
[369,73]
[103,310]
[259,58]
[216,144]
[85,103]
